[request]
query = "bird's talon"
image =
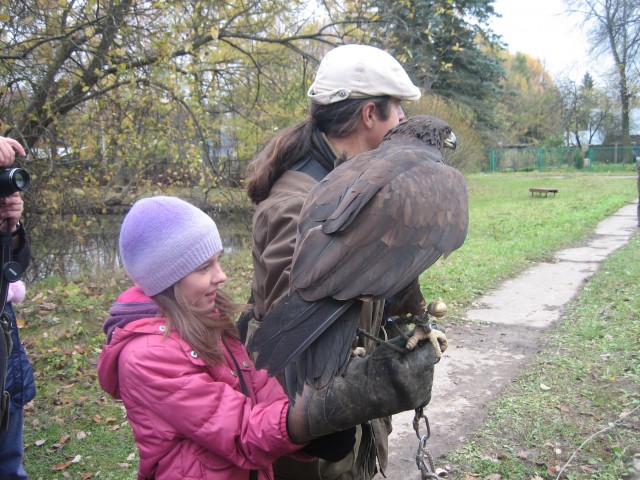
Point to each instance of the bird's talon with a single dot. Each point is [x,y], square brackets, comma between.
[437,339]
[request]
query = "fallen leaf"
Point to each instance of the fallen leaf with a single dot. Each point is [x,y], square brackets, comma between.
[552,469]
[588,469]
[563,408]
[544,387]
[60,466]
[40,442]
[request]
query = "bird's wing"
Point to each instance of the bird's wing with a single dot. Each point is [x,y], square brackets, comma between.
[294,324]
[394,219]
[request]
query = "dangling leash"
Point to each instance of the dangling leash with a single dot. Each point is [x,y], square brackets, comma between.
[424,460]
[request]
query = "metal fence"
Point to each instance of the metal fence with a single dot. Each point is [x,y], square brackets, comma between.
[529,159]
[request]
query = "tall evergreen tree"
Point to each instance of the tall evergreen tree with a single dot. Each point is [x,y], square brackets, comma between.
[446,46]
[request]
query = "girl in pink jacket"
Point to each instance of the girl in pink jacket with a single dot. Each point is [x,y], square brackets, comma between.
[197,406]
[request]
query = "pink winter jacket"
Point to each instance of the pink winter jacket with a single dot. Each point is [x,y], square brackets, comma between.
[191,420]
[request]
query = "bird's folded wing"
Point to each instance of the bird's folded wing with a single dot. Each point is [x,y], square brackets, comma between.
[418,216]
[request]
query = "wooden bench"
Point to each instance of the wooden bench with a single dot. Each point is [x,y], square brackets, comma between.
[546,191]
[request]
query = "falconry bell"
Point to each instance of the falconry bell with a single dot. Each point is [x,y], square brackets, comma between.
[437,309]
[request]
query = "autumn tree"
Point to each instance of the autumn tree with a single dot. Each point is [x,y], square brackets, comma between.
[528,113]
[55,56]
[446,46]
[586,111]
[614,30]
[111,92]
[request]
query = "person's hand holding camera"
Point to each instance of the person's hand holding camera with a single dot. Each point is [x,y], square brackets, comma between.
[11,206]
[8,149]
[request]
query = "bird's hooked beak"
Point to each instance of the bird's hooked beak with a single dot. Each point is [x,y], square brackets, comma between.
[451,141]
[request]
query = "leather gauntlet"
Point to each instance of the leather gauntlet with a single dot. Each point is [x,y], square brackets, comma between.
[381,384]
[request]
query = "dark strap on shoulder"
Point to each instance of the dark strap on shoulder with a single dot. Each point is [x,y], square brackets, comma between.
[10,271]
[253,474]
[243,385]
[5,351]
[312,168]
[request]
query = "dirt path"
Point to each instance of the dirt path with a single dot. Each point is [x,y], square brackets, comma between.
[500,335]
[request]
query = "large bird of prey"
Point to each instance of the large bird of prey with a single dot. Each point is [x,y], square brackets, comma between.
[366,232]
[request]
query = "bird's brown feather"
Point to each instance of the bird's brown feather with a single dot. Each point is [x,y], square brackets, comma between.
[367,230]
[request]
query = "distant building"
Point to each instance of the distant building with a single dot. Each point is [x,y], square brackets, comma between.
[224,147]
[585,137]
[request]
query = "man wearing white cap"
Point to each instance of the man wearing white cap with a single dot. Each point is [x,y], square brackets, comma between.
[355,101]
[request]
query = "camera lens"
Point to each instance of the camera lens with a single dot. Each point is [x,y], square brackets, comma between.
[20,179]
[13,180]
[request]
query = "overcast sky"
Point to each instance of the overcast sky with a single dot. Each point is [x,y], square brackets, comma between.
[541,29]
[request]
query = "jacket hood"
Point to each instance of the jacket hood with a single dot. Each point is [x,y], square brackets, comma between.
[134,313]
[131,305]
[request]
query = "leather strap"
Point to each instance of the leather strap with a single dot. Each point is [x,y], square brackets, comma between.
[312,168]
[10,272]
[253,474]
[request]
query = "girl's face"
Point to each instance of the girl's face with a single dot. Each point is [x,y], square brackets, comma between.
[200,287]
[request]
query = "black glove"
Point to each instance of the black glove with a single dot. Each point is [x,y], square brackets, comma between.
[333,447]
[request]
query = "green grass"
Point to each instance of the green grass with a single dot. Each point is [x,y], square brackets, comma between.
[591,372]
[509,229]
[73,430]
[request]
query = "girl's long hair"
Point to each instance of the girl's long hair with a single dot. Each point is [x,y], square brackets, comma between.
[294,143]
[198,327]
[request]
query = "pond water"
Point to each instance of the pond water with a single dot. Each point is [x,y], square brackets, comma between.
[96,254]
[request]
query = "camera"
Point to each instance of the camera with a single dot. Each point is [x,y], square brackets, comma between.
[13,180]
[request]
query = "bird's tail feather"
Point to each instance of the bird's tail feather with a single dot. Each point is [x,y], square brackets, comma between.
[327,357]
[291,327]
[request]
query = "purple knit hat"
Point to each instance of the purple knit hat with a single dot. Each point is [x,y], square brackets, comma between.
[164,239]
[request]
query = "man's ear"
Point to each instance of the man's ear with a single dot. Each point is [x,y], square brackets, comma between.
[369,114]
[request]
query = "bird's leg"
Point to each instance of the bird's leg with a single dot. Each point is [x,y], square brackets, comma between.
[423,330]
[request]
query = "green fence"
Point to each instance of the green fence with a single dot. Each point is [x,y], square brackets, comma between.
[528,159]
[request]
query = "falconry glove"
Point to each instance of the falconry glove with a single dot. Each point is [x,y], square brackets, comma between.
[384,383]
